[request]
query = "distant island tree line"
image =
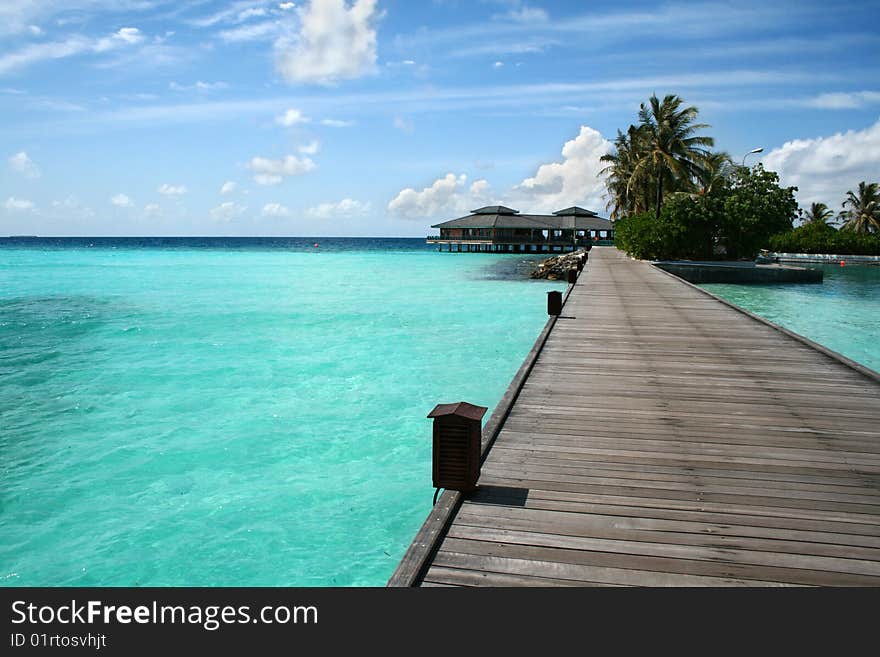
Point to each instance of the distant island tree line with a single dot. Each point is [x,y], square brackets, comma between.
[672,197]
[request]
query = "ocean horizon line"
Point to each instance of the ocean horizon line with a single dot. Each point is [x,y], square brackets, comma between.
[263,237]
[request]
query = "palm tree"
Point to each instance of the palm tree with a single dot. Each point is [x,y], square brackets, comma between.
[717,169]
[819,213]
[674,154]
[630,192]
[863,214]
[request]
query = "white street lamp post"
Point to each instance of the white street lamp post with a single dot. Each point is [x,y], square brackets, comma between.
[752,152]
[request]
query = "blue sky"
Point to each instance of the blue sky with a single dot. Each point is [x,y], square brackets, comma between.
[381,117]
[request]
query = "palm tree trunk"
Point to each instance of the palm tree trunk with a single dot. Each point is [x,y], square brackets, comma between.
[659,196]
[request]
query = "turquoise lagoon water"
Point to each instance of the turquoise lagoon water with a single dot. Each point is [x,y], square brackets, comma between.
[842,313]
[238,412]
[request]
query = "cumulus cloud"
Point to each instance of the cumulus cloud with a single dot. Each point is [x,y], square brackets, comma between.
[311,148]
[344,209]
[335,41]
[275,210]
[152,210]
[446,195]
[227,188]
[22,164]
[291,117]
[272,172]
[574,180]
[18,204]
[121,201]
[123,36]
[171,190]
[825,168]
[227,211]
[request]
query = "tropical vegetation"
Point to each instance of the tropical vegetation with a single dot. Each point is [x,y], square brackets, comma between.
[861,209]
[662,155]
[859,232]
[821,238]
[734,218]
[671,196]
[819,213]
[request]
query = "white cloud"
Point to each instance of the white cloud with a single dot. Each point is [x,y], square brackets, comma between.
[291,117]
[228,211]
[251,13]
[121,201]
[825,168]
[573,181]
[74,45]
[36,30]
[171,190]
[152,210]
[526,15]
[556,185]
[287,5]
[69,203]
[844,100]
[236,12]
[227,188]
[337,123]
[335,41]
[275,210]
[272,172]
[21,163]
[198,86]
[311,148]
[498,64]
[444,195]
[18,204]
[344,209]
[252,32]
[123,36]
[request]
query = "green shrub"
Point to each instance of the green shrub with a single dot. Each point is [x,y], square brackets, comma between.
[755,207]
[820,238]
[738,218]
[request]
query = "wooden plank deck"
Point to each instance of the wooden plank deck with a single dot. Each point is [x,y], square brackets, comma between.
[663,438]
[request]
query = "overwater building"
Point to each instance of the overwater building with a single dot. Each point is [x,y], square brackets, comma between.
[496,228]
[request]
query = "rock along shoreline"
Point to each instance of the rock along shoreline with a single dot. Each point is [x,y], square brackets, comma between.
[556,267]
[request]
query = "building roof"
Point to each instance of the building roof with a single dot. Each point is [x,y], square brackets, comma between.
[562,219]
[576,211]
[495,209]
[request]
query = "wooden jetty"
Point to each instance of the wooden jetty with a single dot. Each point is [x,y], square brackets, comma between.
[658,436]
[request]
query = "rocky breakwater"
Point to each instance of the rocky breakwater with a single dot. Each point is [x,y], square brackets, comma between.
[556,268]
